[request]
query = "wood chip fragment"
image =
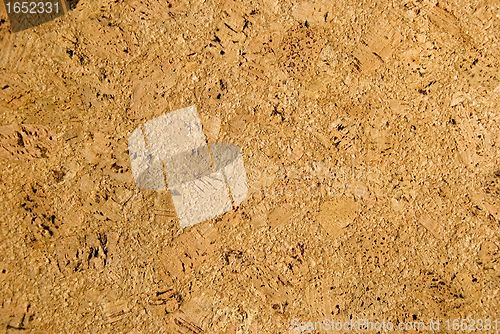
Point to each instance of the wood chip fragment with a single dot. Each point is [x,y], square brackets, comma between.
[279,216]
[432,225]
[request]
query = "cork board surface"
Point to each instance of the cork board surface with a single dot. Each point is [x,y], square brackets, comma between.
[369,132]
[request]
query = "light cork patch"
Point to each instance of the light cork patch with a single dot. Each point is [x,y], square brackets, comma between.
[336,214]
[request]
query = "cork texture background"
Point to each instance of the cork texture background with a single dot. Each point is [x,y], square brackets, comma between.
[369,133]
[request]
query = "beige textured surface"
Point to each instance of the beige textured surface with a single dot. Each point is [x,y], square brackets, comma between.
[369,132]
